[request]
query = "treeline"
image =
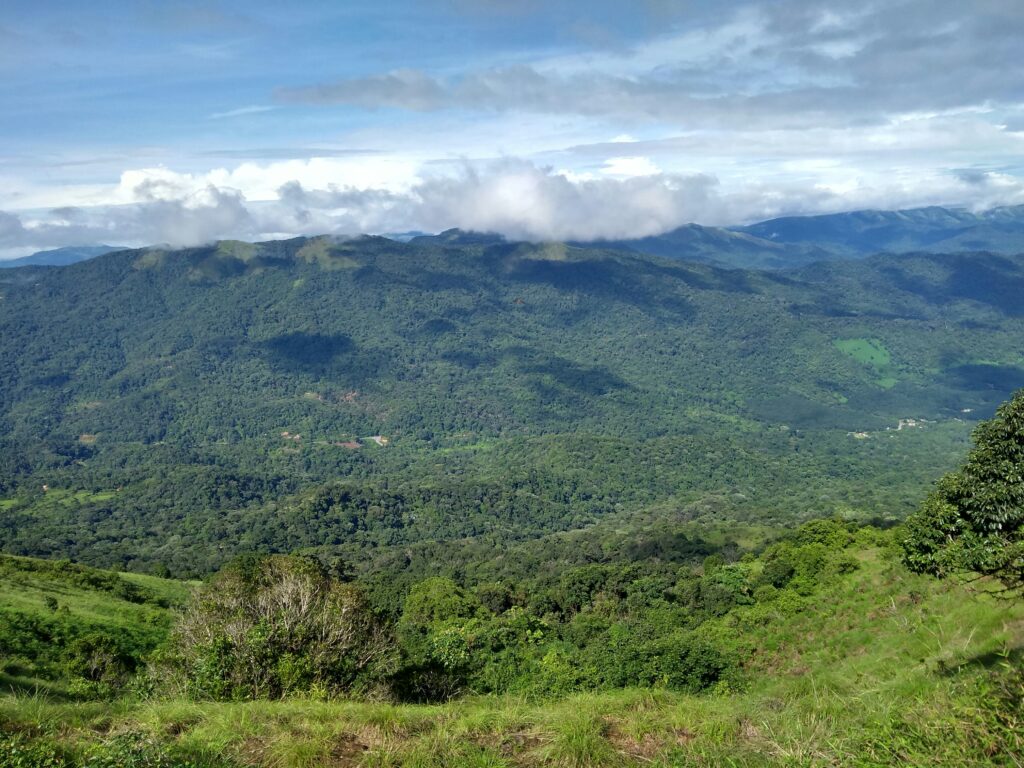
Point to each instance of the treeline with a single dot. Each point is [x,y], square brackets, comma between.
[267,627]
[187,512]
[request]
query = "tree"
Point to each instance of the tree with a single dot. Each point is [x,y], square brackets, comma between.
[973,522]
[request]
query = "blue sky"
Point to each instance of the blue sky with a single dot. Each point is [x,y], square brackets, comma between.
[147,122]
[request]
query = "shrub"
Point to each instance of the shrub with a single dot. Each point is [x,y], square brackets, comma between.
[266,627]
[686,663]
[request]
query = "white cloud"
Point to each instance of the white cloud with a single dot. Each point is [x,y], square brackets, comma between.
[627,167]
[514,197]
[788,63]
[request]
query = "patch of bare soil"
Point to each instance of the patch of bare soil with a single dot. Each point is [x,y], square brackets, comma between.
[510,744]
[648,746]
[347,750]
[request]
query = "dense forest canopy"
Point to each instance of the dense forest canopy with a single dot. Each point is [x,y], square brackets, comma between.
[172,408]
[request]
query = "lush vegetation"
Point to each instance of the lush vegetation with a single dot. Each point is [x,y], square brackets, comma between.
[865,664]
[466,502]
[74,631]
[169,410]
[972,523]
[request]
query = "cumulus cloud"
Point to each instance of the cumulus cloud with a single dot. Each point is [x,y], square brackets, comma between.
[208,215]
[12,232]
[513,197]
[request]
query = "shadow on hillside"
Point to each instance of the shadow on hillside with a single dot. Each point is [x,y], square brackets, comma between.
[1000,284]
[433,281]
[1001,380]
[320,354]
[550,376]
[22,686]
[1012,657]
[987,279]
[580,379]
[610,280]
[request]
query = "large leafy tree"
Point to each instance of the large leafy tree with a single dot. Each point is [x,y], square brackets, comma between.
[972,522]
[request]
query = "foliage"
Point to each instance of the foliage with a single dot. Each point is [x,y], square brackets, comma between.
[974,520]
[82,630]
[273,626]
[878,667]
[524,390]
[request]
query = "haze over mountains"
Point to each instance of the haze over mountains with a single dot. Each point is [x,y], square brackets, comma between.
[797,240]
[773,244]
[59,257]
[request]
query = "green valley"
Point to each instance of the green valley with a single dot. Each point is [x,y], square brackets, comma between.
[172,408]
[491,504]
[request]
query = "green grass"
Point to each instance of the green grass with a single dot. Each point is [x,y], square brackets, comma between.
[865,351]
[45,607]
[27,593]
[885,668]
[873,354]
[173,591]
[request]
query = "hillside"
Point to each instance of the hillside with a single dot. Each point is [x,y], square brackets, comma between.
[934,229]
[173,407]
[872,666]
[59,257]
[63,625]
[795,241]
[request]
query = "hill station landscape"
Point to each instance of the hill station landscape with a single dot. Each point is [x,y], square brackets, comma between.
[512,385]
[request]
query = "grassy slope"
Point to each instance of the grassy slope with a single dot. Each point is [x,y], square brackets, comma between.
[25,585]
[884,668]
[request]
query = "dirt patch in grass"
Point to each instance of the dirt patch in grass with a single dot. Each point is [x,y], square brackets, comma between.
[253,751]
[347,750]
[179,726]
[647,746]
[510,744]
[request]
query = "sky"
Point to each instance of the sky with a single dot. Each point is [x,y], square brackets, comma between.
[146,122]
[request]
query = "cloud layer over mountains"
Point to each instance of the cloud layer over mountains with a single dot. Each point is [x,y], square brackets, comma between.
[513,197]
[552,120]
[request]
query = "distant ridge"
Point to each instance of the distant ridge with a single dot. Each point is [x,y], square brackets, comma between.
[795,241]
[934,229]
[61,257]
[782,243]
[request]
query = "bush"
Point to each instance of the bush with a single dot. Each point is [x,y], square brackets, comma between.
[686,663]
[267,627]
[19,752]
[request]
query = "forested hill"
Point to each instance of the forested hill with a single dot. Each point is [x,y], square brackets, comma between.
[795,241]
[173,400]
[59,257]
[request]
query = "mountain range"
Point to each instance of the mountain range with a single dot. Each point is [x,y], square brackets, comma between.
[795,241]
[781,243]
[178,406]
[60,257]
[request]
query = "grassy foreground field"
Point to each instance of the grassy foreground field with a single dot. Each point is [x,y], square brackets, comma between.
[882,668]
